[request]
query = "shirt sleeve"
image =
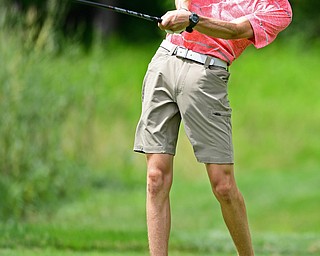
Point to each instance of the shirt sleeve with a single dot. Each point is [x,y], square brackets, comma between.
[267,21]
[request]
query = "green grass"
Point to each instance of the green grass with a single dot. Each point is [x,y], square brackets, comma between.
[276,120]
[112,220]
[276,108]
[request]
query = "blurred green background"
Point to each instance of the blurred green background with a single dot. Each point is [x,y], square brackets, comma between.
[70,82]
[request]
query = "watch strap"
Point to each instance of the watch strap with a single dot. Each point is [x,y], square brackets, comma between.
[192,23]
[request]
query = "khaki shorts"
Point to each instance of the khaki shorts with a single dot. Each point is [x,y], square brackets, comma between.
[175,89]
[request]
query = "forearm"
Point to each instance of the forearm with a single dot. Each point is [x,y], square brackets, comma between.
[236,29]
[179,20]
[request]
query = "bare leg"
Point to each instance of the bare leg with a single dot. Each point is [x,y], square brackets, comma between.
[232,206]
[159,181]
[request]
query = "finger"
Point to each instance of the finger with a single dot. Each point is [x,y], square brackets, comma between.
[165,20]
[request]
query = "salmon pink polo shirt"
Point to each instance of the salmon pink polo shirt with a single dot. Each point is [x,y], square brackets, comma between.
[267,18]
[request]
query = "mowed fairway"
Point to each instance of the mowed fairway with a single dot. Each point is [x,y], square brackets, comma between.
[276,123]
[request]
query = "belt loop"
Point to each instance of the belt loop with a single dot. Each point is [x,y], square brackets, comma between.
[173,49]
[207,62]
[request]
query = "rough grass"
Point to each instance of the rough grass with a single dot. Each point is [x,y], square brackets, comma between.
[112,220]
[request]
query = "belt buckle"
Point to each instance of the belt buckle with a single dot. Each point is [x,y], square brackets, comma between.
[182,52]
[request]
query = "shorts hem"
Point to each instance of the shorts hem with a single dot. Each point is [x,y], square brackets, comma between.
[154,150]
[215,160]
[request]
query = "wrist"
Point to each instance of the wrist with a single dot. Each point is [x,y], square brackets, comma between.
[193,21]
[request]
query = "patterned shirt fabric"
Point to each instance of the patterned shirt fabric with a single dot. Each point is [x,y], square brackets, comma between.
[267,18]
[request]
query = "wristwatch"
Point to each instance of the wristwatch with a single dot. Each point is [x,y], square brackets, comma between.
[194,19]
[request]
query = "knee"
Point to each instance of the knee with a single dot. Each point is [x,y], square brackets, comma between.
[223,183]
[158,182]
[224,192]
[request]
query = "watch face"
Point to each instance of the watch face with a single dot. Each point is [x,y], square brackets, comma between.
[194,18]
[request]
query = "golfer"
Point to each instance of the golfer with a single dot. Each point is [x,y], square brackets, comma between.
[187,80]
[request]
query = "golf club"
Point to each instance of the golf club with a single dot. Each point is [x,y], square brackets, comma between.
[121,10]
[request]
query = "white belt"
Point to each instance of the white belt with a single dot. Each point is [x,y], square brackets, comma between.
[191,55]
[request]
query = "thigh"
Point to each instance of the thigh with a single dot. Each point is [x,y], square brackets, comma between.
[157,130]
[206,113]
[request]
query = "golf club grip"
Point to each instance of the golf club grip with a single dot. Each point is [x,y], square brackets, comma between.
[121,10]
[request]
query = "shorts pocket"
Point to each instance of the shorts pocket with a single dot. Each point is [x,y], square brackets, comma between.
[218,72]
[221,121]
[219,113]
[160,55]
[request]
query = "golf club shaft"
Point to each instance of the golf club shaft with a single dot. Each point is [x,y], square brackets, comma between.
[121,10]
